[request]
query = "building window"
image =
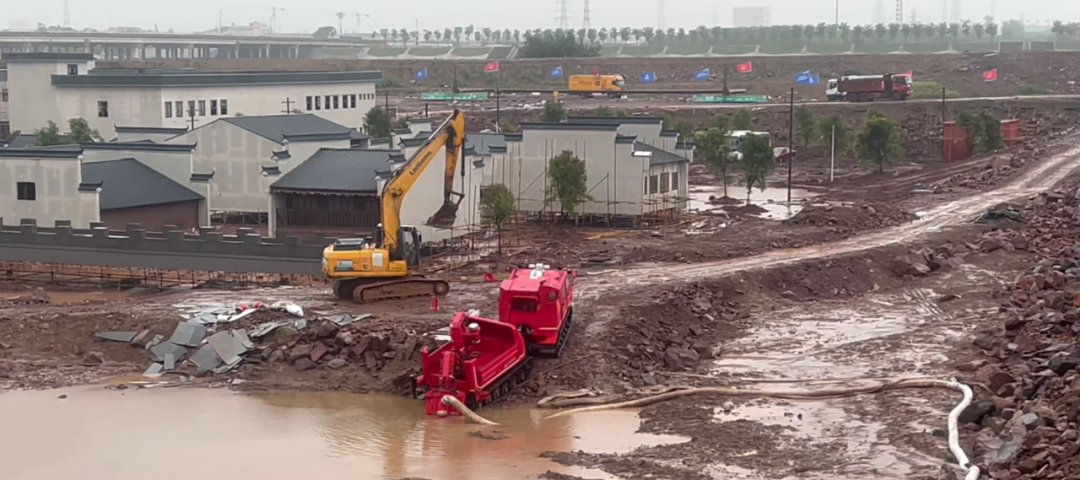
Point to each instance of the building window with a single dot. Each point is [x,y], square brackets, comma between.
[654,184]
[665,182]
[191,108]
[335,102]
[326,102]
[73,69]
[26,190]
[318,102]
[179,109]
[675,181]
[310,103]
[202,108]
[3,95]
[352,101]
[224,107]
[213,108]
[102,109]
[168,109]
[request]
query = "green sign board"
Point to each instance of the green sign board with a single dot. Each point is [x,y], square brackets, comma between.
[446,96]
[458,30]
[730,99]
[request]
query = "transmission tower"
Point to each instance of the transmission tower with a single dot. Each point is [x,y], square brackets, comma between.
[944,10]
[67,14]
[993,10]
[879,11]
[564,21]
[586,23]
[900,11]
[660,16]
[957,16]
[913,15]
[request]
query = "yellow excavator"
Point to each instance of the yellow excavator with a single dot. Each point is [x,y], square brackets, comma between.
[384,267]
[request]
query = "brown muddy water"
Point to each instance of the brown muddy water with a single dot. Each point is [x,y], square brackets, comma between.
[179,434]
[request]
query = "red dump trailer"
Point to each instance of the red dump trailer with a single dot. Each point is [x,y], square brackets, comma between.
[485,359]
[870,88]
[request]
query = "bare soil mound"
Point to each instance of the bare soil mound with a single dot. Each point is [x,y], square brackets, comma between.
[863,216]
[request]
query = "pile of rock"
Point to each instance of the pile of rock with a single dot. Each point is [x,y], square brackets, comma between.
[326,343]
[861,216]
[1029,422]
[676,331]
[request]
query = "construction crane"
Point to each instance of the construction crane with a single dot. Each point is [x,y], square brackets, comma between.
[273,18]
[383,267]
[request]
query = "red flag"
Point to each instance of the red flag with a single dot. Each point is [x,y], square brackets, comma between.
[596,72]
[745,67]
[990,75]
[491,67]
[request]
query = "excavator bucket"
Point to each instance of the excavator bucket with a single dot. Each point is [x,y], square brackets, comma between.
[445,217]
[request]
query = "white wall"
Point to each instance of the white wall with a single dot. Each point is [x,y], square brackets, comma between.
[675,196]
[645,132]
[57,196]
[426,197]
[33,101]
[301,151]
[135,137]
[236,157]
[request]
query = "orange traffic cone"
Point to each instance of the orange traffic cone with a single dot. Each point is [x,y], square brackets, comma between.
[489,277]
[434,303]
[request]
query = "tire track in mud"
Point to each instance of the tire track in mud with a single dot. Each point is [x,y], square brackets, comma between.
[1040,178]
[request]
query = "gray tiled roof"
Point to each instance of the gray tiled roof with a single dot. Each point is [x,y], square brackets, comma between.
[615,120]
[659,155]
[346,170]
[294,128]
[481,143]
[26,140]
[127,183]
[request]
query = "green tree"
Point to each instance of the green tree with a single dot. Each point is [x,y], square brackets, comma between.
[879,141]
[685,129]
[993,131]
[721,122]
[757,162]
[606,111]
[377,123]
[80,131]
[497,207]
[558,45]
[714,147]
[825,127]
[48,135]
[744,120]
[507,127]
[552,112]
[567,182]
[806,126]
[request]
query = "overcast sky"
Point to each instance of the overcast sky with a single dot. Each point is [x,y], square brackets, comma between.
[307,15]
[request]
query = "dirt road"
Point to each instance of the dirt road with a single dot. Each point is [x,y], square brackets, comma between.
[1039,178]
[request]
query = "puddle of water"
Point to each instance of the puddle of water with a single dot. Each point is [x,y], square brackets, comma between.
[773,200]
[227,435]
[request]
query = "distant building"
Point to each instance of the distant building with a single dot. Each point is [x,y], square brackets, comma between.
[5,121]
[60,86]
[752,16]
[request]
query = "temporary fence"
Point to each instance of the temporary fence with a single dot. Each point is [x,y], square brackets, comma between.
[104,276]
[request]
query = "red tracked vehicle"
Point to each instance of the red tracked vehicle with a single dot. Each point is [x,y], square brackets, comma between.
[485,359]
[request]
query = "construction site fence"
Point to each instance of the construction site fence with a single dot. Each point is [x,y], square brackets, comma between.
[104,276]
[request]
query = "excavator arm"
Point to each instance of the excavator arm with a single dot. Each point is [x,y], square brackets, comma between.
[450,134]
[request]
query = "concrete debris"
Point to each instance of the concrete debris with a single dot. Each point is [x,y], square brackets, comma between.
[154,370]
[205,359]
[170,361]
[188,335]
[154,341]
[124,337]
[168,348]
[230,345]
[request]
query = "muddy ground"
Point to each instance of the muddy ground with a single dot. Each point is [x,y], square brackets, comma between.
[846,290]
[772,75]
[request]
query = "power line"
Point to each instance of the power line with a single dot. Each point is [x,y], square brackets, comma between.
[587,22]
[564,20]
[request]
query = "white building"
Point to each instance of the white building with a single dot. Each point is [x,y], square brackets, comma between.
[239,150]
[55,86]
[46,184]
[752,16]
[630,168]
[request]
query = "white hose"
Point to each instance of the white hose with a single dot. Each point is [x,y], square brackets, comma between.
[954,431]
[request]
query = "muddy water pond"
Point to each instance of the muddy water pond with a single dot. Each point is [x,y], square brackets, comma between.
[772,200]
[180,434]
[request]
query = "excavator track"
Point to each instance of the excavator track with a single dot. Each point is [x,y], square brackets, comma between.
[368,291]
[553,351]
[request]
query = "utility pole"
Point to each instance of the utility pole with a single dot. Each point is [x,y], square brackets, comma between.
[660,15]
[288,105]
[586,23]
[67,14]
[564,21]
[358,15]
[790,141]
[191,117]
[900,11]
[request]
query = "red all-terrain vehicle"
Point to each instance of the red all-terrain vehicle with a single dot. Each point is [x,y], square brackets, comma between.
[485,359]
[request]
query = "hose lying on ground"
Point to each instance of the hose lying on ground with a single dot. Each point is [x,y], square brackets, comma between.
[954,434]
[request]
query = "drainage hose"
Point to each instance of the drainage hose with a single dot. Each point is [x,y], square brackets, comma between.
[954,432]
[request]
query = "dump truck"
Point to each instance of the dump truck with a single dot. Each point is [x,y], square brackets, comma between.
[485,359]
[586,85]
[867,88]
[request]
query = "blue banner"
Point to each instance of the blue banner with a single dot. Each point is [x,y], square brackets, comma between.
[556,72]
[702,74]
[807,78]
[421,74]
[648,77]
